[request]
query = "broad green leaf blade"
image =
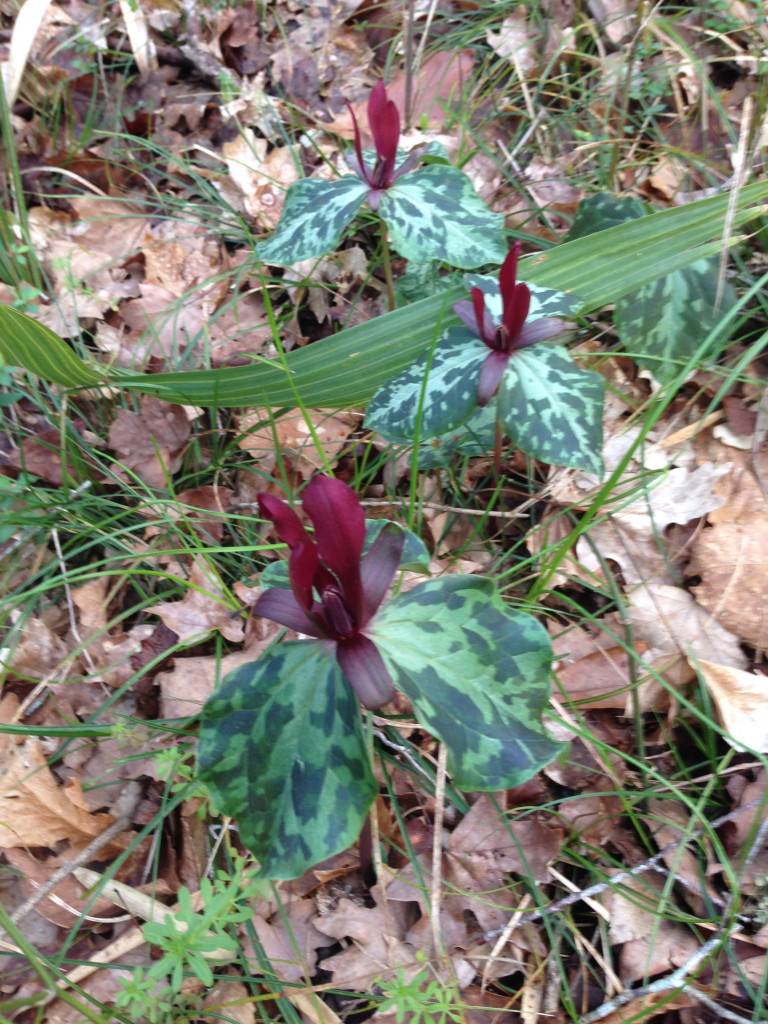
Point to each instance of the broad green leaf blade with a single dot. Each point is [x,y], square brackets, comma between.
[477,673]
[314,218]
[450,396]
[552,409]
[345,369]
[281,750]
[434,213]
[664,324]
[602,211]
[24,342]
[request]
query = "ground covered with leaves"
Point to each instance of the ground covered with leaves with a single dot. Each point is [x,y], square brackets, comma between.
[148,149]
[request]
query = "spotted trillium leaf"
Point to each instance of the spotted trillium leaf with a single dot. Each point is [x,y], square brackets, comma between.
[553,409]
[434,213]
[477,674]
[664,325]
[451,390]
[313,220]
[601,211]
[282,752]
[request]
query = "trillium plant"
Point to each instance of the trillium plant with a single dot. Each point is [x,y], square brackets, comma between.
[282,743]
[545,404]
[432,213]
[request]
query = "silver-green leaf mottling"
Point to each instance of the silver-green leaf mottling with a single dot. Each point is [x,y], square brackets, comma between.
[313,219]
[434,213]
[477,673]
[553,409]
[282,752]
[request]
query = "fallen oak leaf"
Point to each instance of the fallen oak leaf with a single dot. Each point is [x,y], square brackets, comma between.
[36,811]
[741,699]
[203,609]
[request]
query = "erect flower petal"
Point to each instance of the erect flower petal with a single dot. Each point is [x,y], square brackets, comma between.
[490,376]
[287,524]
[515,298]
[302,568]
[384,123]
[358,164]
[339,524]
[281,606]
[365,671]
[378,567]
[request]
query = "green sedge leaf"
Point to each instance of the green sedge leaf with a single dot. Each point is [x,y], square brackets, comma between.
[477,674]
[282,751]
[553,409]
[313,220]
[434,213]
[451,390]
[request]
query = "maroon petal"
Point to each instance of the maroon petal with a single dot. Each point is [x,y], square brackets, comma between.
[540,330]
[410,162]
[378,567]
[302,568]
[508,273]
[384,123]
[339,524]
[476,317]
[358,164]
[287,524]
[365,671]
[490,376]
[281,606]
[515,312]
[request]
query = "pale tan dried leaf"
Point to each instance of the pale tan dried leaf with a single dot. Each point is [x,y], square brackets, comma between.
[89,599]
[205,608]
[37,654]
[518,39]
[229,1001]
[261,178]
[151,441]
[741,699]
[617,17]
[673,624]
[36,811]
[27,23]
[292,434]
[632,536]
[650,942]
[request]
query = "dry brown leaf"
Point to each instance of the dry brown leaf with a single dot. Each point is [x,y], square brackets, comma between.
[151,441]
[618,18]
[203,609]
[673,624]
[292,435]
[730,558]
[377,947]
[741,699]
[261,178]
[36,811]
[650,942]
[600,678]
[632,536]
[229,1000]
[518,39]
[37,654]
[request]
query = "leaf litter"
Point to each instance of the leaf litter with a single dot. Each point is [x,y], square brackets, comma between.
[684,547]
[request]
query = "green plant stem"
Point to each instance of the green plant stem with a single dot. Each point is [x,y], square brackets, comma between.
[387,263]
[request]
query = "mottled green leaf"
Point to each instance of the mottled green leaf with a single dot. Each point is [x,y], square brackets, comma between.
[665,324]
[477,673]
[475,436]
[451,393]
[602,211]
[314,218]
[281,750]
[434,213]
[553,409]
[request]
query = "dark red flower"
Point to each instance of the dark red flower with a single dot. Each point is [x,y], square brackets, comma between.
[384,123]
[335,590]
[512,334]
